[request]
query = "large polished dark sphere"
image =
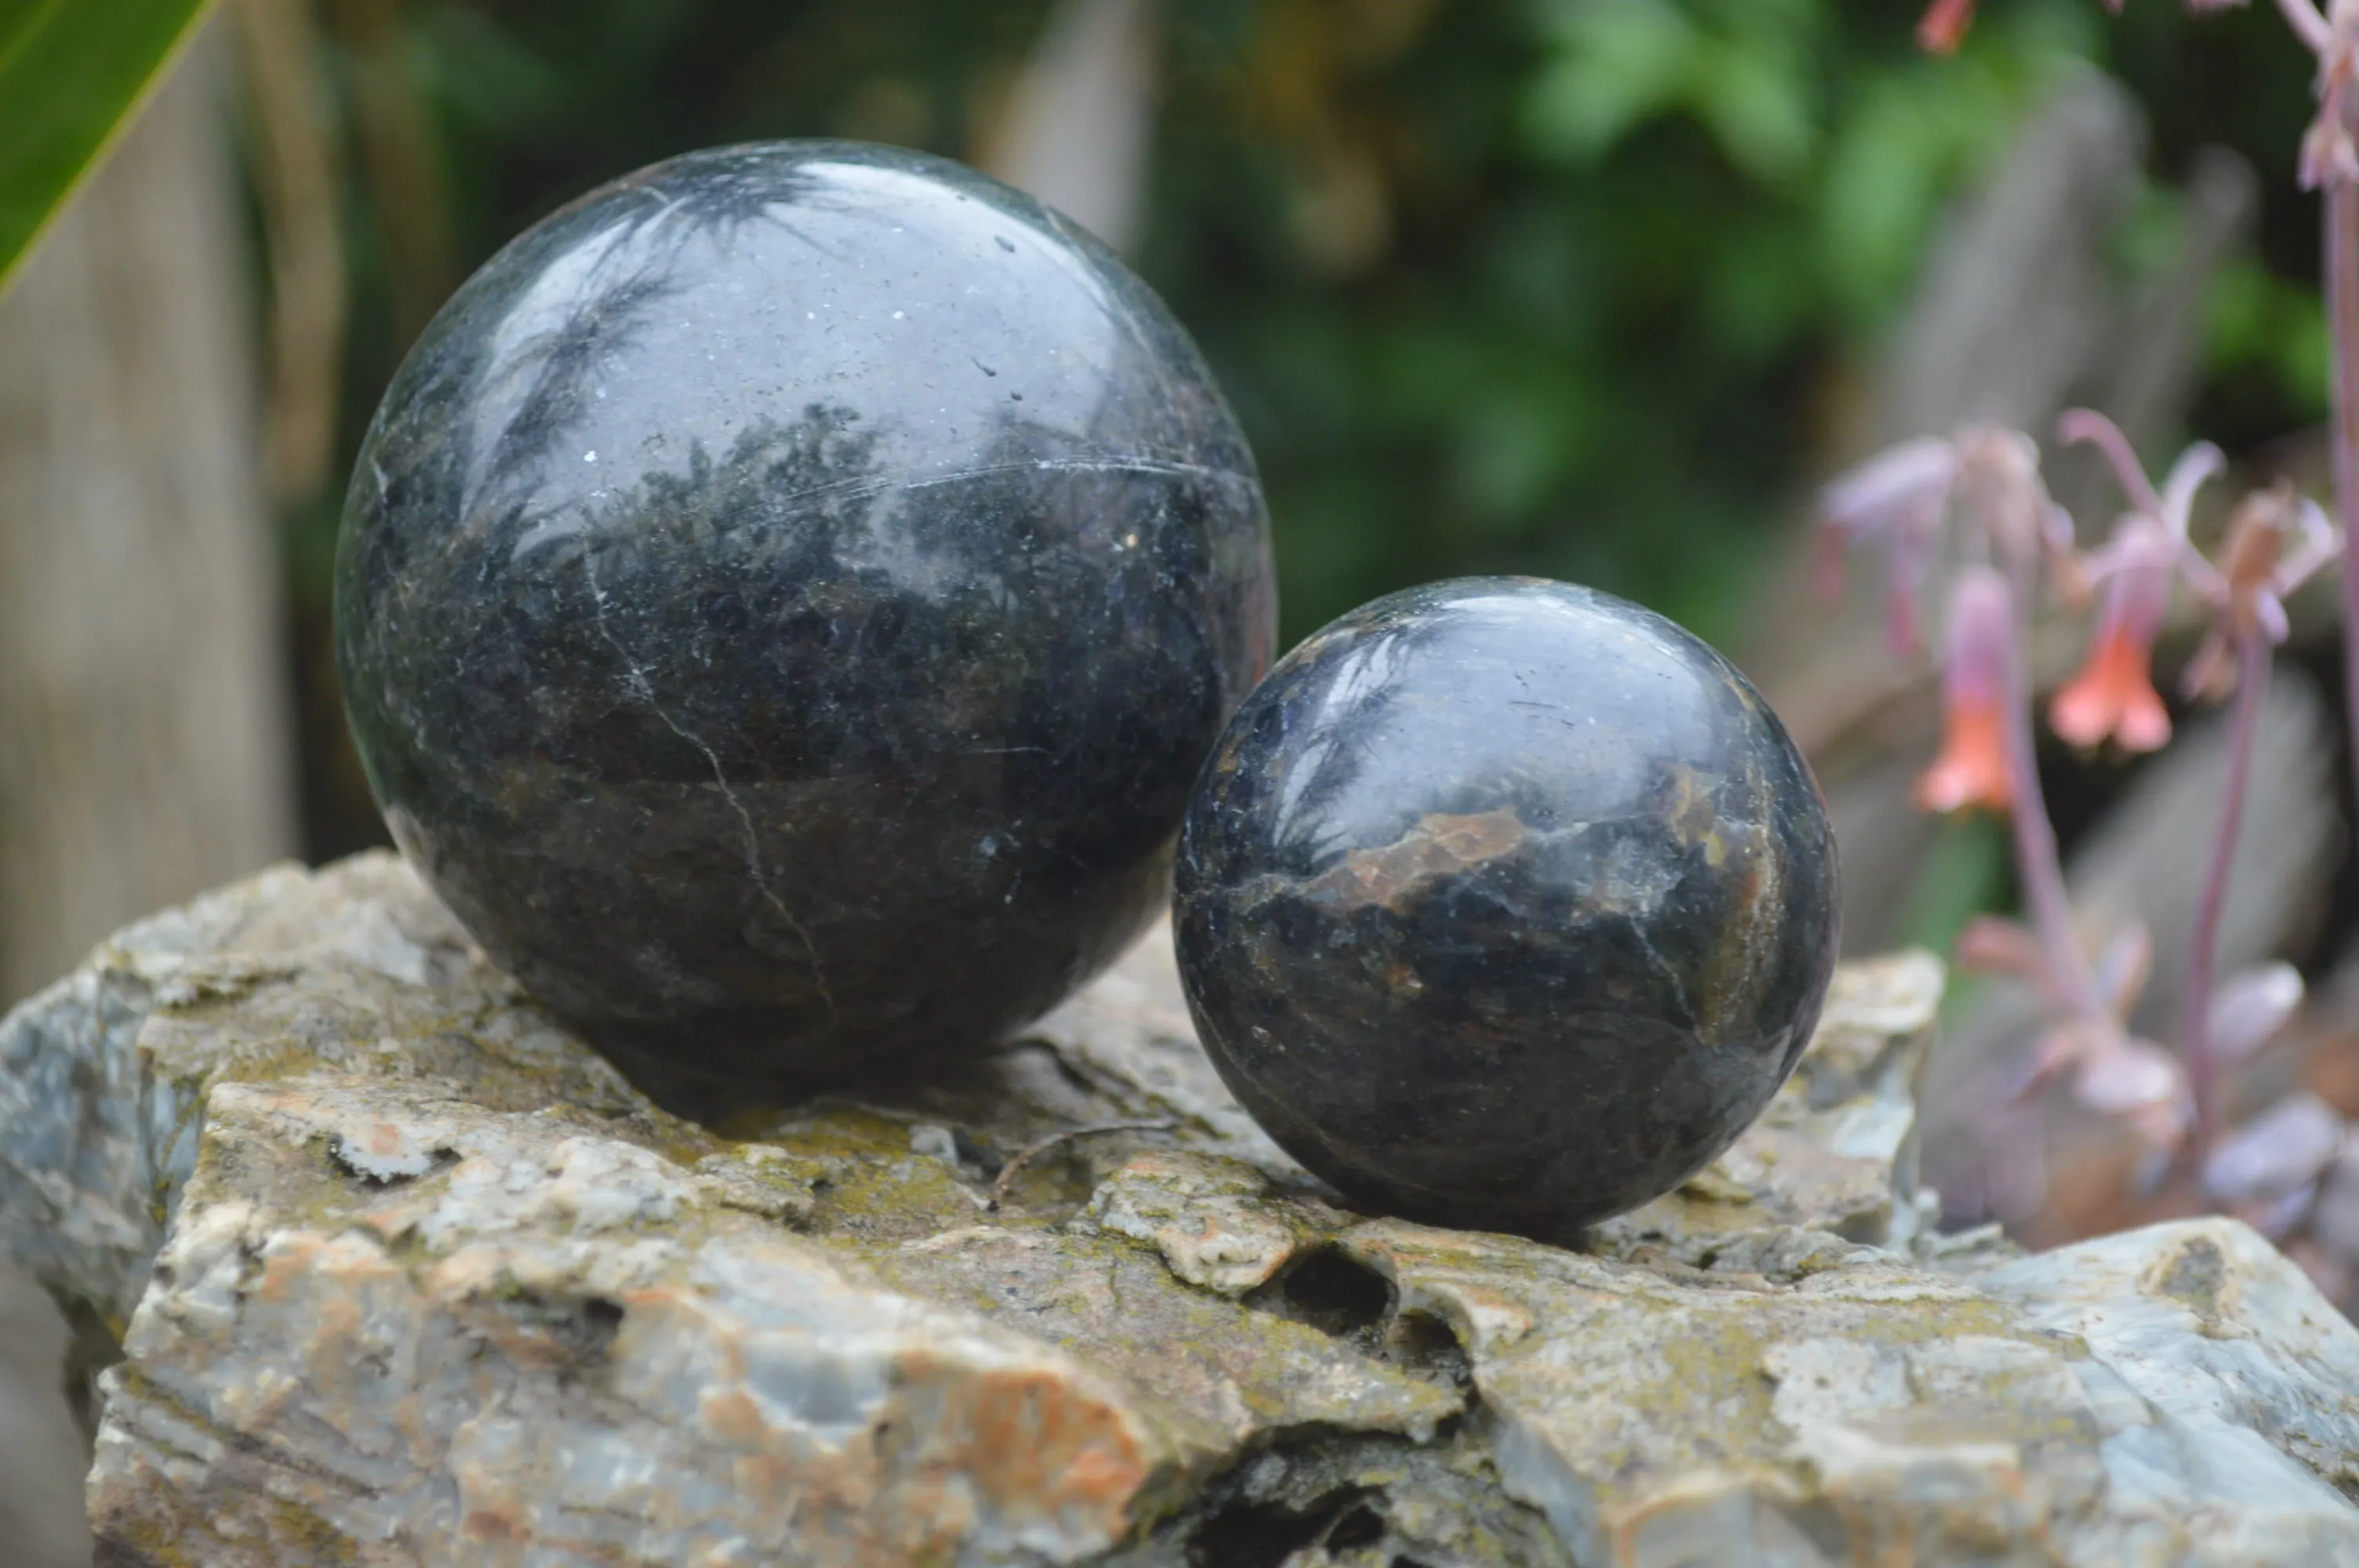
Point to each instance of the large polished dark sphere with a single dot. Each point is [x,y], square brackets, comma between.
[784,599]
[1506,904]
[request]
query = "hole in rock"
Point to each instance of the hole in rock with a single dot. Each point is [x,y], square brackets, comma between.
[591,1333]
[1424,1343]
[1331,1292]
[582,1329]
[1245,1536]
[1264,1535]
[1360,1527]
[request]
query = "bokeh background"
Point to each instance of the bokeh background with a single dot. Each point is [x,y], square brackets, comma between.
[1593,288]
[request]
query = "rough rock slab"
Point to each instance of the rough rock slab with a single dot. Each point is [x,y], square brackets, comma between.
[402,1277]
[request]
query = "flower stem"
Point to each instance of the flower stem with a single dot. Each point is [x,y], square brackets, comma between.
[2342,317]
[2037,864]
[2308,23]
[2203,947]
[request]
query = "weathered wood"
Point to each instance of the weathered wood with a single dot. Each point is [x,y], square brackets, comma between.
[41,1455]
[2015,306]
[1076,130]
[143,745]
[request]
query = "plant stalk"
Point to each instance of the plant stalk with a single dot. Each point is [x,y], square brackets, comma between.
[2038,865]
[2308,23]
[2253,658]
[2342,317]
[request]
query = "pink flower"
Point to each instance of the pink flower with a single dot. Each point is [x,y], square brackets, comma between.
[1999,486]
[2329,151]
[2252,1006]
[1972,768]
[2246,589]
[2114,698]
[1944,26]
[1899,498]
[1983,477]
[2113,1071]
[2278,1153]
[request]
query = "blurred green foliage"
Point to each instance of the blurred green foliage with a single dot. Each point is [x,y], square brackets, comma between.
[1575,286]
[71,71]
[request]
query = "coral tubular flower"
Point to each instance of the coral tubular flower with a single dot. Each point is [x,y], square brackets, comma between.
[1971,769]
[2113,698]
[1944,26]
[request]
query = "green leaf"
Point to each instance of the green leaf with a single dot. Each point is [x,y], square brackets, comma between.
[1912,140]
[1618,64]
[71,74]
[2257,318]
[1757,101]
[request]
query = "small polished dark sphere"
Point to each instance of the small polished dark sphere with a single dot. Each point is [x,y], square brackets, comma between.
[1506,904]
[784,599]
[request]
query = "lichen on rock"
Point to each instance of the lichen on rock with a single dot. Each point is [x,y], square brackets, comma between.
[401,1275]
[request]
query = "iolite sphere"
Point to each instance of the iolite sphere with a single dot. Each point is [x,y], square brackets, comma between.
[1506,904]
[784,599]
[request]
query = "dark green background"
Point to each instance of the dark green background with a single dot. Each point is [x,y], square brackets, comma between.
[1632,263]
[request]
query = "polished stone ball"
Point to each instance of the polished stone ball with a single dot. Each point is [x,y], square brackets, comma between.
[1506,904]
[784,599]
